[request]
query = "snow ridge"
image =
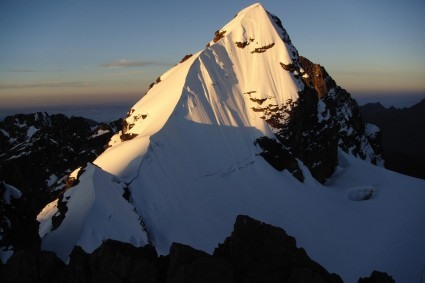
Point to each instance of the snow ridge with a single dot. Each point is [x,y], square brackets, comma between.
[96,211]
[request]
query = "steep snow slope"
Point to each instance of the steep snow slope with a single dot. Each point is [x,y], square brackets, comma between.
[188,156]
[88,213]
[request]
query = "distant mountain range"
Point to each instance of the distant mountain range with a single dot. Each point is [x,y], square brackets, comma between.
[403,136]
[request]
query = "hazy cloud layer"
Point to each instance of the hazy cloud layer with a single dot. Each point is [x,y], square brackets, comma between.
[28,70]
[133,63]
[22,70]
[45,84]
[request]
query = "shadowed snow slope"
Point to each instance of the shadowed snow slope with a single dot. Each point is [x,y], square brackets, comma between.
[188,156]
[95,211]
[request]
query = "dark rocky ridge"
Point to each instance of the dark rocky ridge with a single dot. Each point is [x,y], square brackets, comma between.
[403,137]
[324,119]
[353,137]
[37,153]
[36,146]
[255,252]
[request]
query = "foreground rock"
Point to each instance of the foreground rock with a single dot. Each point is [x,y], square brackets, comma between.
[255,252]
[377,277]
[263,253]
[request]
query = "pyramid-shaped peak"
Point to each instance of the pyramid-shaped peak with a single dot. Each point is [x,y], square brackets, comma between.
[254,23]
[255,6]
[252,40]
[254,13]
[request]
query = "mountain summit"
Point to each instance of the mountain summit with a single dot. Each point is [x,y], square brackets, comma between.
[250,81]
[246,126]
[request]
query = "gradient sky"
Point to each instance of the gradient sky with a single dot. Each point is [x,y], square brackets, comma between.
[70,51]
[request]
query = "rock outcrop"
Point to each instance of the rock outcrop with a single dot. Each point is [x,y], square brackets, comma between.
[262,253]
[354,137]
[324,119]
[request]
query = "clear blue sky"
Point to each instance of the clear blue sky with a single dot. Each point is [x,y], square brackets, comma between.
[67,51]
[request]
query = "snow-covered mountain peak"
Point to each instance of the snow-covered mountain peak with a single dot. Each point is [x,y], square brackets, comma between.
[252,25]
[258,30]
[217,86]
[246,126]
[252,40]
